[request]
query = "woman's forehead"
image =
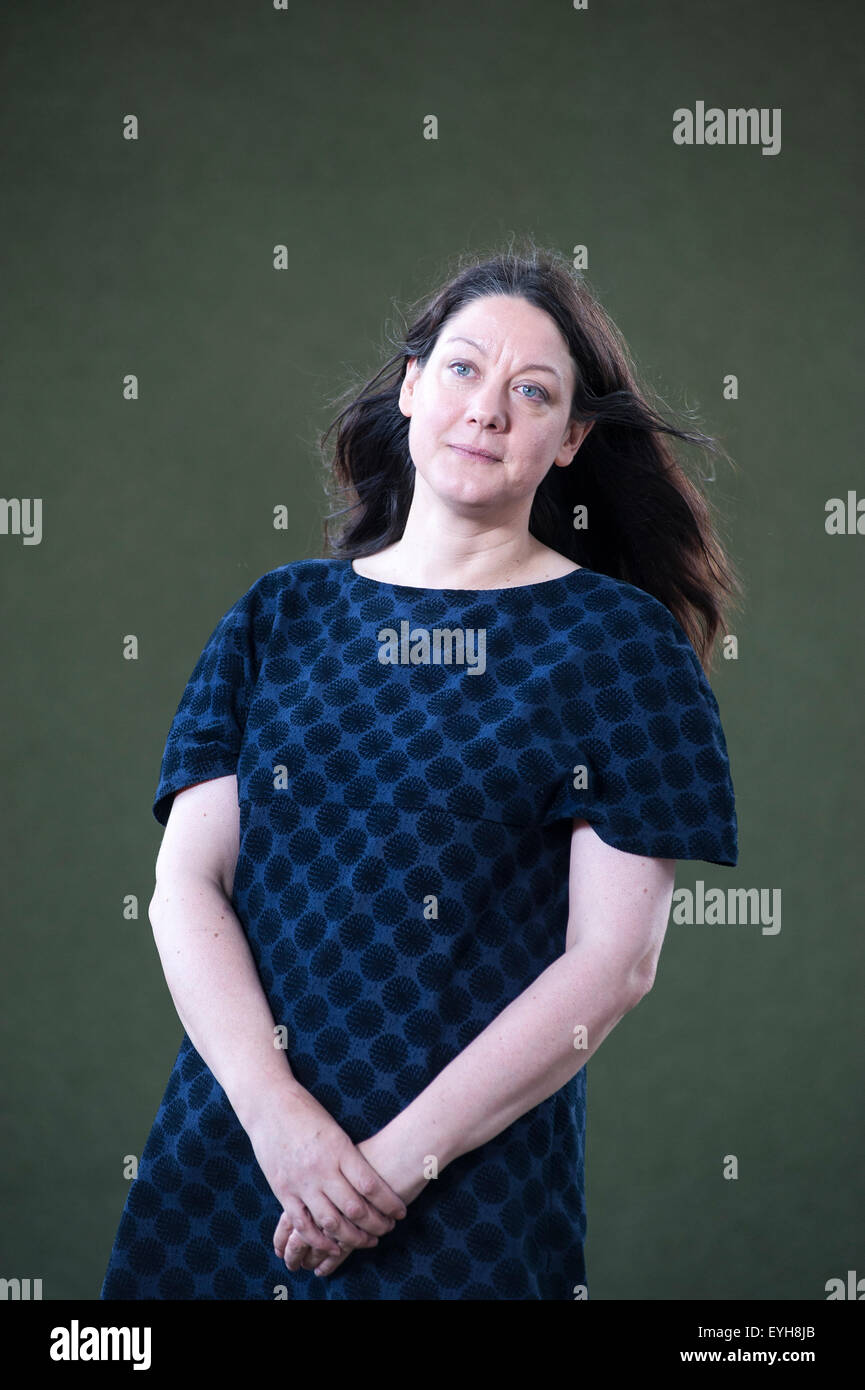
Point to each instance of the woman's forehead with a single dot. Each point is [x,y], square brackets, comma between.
[485,323]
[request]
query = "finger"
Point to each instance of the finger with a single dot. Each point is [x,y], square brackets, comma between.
[334,1224]
[300,1256]
[296,1251]
[371,1185]
[292,1218]
[314,1258]
[306,1226]
[284,1228]
[357,1209]
[328,1265]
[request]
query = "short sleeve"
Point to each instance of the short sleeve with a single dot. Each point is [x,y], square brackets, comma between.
[643,721]
[207,729]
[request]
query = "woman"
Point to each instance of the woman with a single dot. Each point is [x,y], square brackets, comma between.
[426,797]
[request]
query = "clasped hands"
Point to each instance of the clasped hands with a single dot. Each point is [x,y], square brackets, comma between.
[337,1196]
[360,1223]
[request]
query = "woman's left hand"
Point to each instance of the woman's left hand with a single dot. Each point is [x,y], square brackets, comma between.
[384,1153]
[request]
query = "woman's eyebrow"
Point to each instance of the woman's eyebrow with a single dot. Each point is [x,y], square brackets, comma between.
[529,366]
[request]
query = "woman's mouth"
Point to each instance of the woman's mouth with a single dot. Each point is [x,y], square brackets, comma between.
[476,453]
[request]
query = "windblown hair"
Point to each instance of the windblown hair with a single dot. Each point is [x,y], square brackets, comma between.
[648,523]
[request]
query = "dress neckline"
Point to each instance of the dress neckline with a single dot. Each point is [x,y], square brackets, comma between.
[417,589]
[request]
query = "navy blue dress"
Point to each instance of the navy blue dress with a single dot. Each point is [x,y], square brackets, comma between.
[405,829]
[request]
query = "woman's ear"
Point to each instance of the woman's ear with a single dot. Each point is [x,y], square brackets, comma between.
[406,390]
[572,441]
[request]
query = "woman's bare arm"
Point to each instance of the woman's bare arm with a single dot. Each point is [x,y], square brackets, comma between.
[310,1162]
[205,956]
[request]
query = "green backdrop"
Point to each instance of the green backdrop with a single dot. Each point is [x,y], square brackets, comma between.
[154,256]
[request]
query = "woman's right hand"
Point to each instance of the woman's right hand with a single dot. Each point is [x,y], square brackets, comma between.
[328,1191]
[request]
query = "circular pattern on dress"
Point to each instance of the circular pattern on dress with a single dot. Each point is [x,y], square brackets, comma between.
[402,876]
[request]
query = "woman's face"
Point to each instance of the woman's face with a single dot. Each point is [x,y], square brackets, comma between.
[507,392]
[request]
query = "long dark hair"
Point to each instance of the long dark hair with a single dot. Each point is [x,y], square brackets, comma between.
[648,523]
